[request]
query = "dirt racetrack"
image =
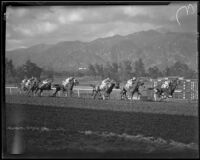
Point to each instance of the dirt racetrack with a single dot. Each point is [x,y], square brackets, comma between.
[66,119]
[172,108]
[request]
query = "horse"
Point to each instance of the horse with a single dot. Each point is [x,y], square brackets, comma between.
[68,87]
[43,86]
[134,88]
[23,86]
[106,91]
[32,86]
[167,92]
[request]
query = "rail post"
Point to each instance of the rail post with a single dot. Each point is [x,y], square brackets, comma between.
[78,93]
[154,94]
[193,90]
[10,90]
[184,90]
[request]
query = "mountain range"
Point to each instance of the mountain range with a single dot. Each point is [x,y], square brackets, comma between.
[156,48]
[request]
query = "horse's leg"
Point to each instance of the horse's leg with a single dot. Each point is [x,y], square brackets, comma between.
[108,96]
[28,92]
[138,95]
[54,94]
[155,96]
[70,93]
[40,92]
[125,96]
[32,92]
[103,96]
[94,95]
[121,94]
[132,94]
[36,91]
[66,93]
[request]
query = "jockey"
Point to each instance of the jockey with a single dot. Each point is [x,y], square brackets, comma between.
[165,84]
[105,83]
[24,81]
[67,81]
[32,78]
[28,82]
[130,82]
[46,81]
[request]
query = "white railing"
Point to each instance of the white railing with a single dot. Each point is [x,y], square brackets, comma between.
[77,89]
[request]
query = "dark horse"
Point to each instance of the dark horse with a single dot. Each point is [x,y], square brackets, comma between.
[164,93]
[105,92]
[33,87]
[41,87]
[132,90]
[68,88]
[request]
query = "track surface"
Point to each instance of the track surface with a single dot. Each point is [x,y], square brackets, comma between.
[78,127]
[172,108]
[64,130]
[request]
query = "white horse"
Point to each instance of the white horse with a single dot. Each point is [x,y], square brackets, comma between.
[25,85]
[66,85]
[105,89]
[131,87]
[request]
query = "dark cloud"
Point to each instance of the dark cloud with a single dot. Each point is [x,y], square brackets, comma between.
[50,24]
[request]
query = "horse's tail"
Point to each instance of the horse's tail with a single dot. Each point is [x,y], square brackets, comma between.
[92,85]
[151,88]
[55,85]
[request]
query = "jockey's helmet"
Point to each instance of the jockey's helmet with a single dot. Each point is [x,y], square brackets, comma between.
[134,78]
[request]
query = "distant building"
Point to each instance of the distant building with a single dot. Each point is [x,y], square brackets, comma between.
[82,68]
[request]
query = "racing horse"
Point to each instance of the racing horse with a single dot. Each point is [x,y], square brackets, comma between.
[167,92]
[23,86]
[134,88]
[32,86]
[43,85]
[105,91]
[66,88]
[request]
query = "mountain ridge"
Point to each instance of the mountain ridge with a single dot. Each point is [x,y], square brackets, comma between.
[154,47]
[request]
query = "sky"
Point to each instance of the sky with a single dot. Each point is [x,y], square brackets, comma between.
[30,25]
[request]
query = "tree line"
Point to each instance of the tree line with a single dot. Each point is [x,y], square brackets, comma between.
[118,71]
[27,70]
[126,69]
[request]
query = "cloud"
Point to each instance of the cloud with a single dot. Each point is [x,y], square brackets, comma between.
[51,24]
[17,11]
[14,44]
[70,18]
[34,29]
[135,10]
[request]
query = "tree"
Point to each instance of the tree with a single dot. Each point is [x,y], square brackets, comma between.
[107,70]
[29,69]
[166,72]
[49,74]
[139,68]
[99,70]
[114,71]
[10,71]
[125,70]
[91,70]
[180,69]
[154,72]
